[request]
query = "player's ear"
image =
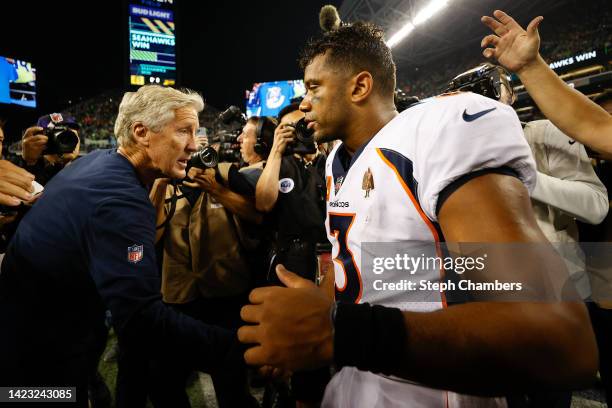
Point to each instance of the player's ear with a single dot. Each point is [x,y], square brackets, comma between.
[362,85]
[140,134]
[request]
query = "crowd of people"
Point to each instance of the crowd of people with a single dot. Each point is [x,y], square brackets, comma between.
[226,268]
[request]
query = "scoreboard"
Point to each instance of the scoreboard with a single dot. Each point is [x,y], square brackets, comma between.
[152,57]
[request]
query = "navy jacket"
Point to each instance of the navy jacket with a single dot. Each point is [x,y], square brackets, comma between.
[88,245]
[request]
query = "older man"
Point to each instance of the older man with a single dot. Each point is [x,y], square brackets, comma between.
[88,245]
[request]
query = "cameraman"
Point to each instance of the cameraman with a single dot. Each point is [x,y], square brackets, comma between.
[46,149]
[44,157]
[205,273]
[255,140]
[292,188]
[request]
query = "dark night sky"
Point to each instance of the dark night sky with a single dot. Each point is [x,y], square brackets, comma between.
[79,48]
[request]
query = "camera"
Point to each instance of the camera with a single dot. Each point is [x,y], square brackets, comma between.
[304,142]
[403,101]
[231,115]
[486,80]
[227,128]
[62,139]
[205,158]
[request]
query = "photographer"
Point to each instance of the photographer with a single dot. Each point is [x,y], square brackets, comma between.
[205,273]
[255,140]
[292,188]
[50,146]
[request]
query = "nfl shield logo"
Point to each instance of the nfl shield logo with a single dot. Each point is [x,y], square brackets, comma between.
[56,117]
[135,253]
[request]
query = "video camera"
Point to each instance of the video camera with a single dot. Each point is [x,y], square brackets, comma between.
[61,131]
[205,158]
[62,139]
[486,80]
[227,128]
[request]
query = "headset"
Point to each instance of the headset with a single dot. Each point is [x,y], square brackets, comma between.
[264,133]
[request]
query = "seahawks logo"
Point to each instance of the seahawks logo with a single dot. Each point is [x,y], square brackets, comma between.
[285,185]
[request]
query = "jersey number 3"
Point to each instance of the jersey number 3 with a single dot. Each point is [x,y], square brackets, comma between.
[339,227]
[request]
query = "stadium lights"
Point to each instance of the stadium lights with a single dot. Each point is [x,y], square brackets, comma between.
[400,35]
[425,14]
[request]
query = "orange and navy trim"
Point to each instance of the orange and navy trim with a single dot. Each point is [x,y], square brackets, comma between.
[403,169]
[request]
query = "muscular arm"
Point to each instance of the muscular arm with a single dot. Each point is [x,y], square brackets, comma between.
[497,346]
[484,347]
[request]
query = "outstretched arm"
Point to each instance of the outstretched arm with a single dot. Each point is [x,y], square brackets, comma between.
[572,112]
[242,206]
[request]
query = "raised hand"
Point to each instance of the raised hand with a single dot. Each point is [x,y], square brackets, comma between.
[33,145]
[283,135]
[513,47]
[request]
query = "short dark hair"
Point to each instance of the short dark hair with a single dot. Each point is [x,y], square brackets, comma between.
[288,109]
[361,47]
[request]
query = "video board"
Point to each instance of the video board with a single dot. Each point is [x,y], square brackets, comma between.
[152,43]
[269,98]
[17,82]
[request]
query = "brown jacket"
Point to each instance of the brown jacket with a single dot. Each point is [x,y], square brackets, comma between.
[202,252]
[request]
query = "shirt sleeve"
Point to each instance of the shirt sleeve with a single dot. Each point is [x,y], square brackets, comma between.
[567,180]
[244,181]
[465,134]
[120,245]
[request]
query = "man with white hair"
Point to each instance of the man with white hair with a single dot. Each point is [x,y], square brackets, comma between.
[88,245]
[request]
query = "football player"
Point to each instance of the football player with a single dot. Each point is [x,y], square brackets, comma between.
[455,168]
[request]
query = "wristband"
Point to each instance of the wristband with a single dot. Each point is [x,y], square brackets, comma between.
[371,338]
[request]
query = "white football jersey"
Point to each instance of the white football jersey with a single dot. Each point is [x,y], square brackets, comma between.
[389,194]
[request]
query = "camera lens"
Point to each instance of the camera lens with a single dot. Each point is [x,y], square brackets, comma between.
[66,141]
[204,158]
[302,133]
